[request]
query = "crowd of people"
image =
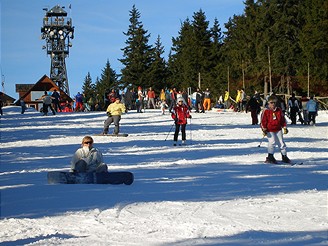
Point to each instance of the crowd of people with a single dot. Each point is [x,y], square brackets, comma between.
[272,111]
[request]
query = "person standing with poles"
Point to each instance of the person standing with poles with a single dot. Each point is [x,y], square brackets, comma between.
[273,125]
[179,114]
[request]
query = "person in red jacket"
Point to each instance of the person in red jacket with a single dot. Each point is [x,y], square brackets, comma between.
[273,124]
[180,113]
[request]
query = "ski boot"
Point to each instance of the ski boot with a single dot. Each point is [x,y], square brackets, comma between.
[270,159]
[285,159]
[175,143]
[183,143]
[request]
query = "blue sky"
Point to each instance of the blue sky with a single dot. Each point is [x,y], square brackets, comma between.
[99,27]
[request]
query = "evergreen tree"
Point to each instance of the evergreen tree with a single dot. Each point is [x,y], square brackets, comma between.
[137,53]
[88,88]
[158,70]
[314,44]
[108,80]
[216,68]
[181,58]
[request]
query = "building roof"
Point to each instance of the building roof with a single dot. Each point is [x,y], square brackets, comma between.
[6,98]
[44,84]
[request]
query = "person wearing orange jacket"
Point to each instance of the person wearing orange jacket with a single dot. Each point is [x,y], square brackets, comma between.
[273,124]
[179,114]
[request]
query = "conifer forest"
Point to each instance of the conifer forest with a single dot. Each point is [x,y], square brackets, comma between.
[283,43]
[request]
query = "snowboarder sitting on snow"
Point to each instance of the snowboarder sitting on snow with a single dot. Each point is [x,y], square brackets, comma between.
[114,112]
[87,158]
[272,124]
[180,113]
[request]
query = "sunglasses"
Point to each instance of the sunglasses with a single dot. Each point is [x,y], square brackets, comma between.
[89,142]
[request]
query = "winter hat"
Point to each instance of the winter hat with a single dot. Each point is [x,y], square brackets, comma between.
[180,99]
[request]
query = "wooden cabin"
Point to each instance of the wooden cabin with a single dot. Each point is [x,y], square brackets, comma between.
[31,93]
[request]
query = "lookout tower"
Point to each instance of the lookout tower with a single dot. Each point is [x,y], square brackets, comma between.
[57,31]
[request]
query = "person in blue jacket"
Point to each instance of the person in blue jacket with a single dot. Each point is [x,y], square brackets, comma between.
[312,108]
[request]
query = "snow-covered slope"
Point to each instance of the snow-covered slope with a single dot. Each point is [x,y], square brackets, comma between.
[214,191]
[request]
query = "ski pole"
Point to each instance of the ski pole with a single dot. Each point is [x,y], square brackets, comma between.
[261,141]
[169,131]
[190,133]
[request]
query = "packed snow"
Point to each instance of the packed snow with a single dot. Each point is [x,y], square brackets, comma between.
[217,190]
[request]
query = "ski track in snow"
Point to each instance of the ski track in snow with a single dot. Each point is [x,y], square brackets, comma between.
[214,191]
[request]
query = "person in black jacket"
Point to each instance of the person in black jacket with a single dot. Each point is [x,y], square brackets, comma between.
[253,105]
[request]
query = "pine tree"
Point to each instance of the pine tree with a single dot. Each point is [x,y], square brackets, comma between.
[158,69]
[137,54]
[88,88]
[107,81]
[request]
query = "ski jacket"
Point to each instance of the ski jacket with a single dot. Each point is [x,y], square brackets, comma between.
[238,97]
[293,104]
[180,114]
[151,94]
[273,120]
[226,96]
[47,99]
[79,98]
[207,94]
[312,106]
[92,157]
[116,108]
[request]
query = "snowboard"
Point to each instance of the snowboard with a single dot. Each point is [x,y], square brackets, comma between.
[113,135]
[62,177]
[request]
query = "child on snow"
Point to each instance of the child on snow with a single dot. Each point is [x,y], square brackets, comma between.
[272,124]
[180,113]
[163,106]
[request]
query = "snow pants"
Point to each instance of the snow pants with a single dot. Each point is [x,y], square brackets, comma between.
[183,132]
[254,116]
[207,104]
[276,138]
[114,118]
[81,167]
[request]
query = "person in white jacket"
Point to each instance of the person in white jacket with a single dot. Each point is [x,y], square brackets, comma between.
[87,158]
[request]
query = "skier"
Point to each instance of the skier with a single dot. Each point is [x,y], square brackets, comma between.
[87,158]
[114,112]
[272,124]
[179,114]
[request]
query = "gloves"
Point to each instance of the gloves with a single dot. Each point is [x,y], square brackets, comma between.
[109,114]
[189,116]
[264,131]
[285,130]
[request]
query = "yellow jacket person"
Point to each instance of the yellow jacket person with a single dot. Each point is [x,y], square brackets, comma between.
[114,112]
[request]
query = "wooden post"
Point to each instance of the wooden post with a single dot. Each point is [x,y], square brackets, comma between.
[269,69]
[265,90]
[228,80]
[243,71]
[308,93]
[199,80]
